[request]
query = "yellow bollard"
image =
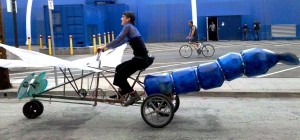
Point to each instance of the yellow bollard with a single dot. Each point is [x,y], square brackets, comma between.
[49,45]
[29,44]
[112,35]
[41,41]
[104,38]
[94,44]
[108,36]
[71,45]
[99,40]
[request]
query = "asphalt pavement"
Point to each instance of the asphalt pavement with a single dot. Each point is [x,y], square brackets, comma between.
[196,119]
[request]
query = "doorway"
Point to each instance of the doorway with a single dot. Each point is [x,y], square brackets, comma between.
[227,28]
[212,30]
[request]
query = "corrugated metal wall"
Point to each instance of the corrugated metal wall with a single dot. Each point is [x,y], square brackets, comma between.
[80,21]
[161,20]
[165,20]
[37,19]
[267,12]
[157,15]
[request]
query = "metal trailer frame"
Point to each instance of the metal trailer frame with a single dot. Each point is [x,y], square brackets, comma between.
[157,110]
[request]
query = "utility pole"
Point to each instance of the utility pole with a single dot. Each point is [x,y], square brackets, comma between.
[51,7]
[15,22]
[4,72]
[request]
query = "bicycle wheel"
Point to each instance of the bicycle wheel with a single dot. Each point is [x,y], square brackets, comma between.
[185,51]
[176,102]
[208,50]
[157,110]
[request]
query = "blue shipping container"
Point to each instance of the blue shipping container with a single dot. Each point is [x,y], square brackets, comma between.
[80,21]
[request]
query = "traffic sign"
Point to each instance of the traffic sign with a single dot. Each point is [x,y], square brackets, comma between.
[50,4]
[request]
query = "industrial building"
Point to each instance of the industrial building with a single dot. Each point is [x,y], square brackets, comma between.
[157,20]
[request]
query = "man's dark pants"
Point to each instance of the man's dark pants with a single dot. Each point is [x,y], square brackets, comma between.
[125,70]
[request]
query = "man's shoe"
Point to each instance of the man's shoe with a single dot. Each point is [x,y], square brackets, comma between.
[113,96]
[134,97]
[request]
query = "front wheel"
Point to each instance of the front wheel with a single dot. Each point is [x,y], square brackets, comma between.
[208,50]
[33,109]
[185,51]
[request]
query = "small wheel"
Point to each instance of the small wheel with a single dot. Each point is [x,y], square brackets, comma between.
[32,109]
[185,51]
[176,102]
[208,50]
[40,104]
[82,92]
[157,110]
[101,93]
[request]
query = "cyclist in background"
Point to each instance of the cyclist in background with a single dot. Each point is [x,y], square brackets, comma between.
[193,35]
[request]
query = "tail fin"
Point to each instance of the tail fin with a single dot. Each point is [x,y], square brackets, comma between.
[288,58]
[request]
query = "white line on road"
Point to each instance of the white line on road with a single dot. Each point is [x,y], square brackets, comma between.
[31,72]
[277,72]
[183,63]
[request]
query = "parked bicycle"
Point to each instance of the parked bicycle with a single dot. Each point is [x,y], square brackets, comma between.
[186,51]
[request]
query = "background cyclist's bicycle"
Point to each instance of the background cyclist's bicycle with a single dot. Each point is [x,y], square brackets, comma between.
[206,49]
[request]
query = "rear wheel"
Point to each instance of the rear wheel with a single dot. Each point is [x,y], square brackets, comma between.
[208,50]
[157,110]
[185,51]
[176,102]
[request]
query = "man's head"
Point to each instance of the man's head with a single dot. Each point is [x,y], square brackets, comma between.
[128,16]
[190,23]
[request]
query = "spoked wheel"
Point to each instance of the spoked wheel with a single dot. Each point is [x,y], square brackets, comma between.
[157,110]
[176,102]
[185,51]
[208,50]
[33,109]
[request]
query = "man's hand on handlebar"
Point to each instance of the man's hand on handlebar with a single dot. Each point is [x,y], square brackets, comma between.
[102,49]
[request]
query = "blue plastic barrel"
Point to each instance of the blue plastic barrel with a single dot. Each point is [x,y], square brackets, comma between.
[158,84]
[258,61]
[185,80]
[210,75]
[231,65]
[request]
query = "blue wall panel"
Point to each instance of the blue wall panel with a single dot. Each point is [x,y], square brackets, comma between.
[161,20]
[165,20]
[37,20]
[80,21]
[113,17]
[267,12]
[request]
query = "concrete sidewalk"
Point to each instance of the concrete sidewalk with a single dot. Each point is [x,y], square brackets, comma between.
[241,87]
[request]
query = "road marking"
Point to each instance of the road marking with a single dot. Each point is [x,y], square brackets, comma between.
[158,72]
[183,63]
[30,72]
[277,72]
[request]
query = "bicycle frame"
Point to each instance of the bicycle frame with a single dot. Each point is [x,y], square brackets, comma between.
[196,45]
[95,97]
